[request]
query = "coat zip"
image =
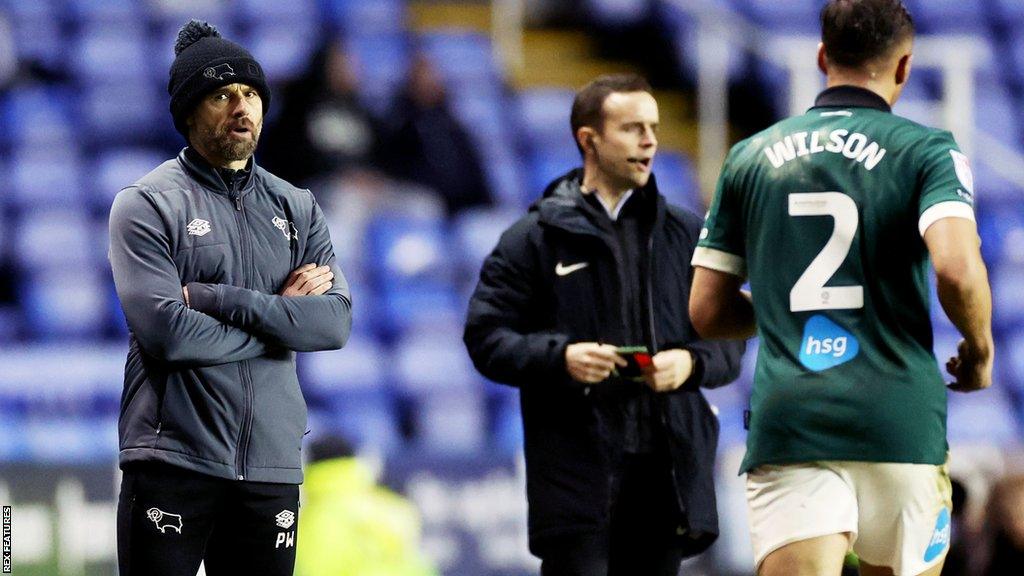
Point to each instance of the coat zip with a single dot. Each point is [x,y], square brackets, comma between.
[242,447]
[654,350]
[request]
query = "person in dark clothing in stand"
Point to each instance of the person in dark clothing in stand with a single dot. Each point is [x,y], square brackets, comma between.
[323,130]
[224,271]
[620,444]
[427,144]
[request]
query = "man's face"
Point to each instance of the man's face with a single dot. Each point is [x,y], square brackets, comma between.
[626,143]
[226,125]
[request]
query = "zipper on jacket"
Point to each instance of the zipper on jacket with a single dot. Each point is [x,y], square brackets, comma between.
[650,293]
[244,433]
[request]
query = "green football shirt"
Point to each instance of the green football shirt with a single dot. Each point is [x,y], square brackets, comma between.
[824,213]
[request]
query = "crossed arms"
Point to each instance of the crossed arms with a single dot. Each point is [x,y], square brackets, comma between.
[224,323]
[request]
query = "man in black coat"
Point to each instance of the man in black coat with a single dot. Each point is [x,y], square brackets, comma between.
[620,446]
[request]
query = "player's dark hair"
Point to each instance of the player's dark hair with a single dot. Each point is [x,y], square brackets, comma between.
[856,32]
[587,107]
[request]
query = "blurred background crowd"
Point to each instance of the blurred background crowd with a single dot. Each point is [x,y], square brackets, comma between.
[425,128]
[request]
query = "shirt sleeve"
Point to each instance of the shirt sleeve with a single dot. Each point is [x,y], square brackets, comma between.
[299,323]
[721,246]
[946,182]
[149,288]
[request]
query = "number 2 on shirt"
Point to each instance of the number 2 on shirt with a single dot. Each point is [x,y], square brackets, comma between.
[810,292]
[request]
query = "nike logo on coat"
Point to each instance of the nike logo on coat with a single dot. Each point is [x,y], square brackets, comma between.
[563,270]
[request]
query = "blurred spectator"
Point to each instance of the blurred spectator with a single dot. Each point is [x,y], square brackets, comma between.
[351,526]
[427,145]
[1004,532]
[323,130]
[8,61]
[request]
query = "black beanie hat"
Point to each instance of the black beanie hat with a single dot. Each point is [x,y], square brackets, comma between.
[204,61]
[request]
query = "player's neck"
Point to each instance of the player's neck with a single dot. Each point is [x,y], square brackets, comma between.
[885,89]
[595,183]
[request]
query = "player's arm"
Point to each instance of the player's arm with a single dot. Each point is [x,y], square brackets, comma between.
[962,283]
[501,333]
[149,289]
[313,311]
[719,308]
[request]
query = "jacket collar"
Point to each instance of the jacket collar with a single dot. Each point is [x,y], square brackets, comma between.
[209,177]
[851,96]
[563,205]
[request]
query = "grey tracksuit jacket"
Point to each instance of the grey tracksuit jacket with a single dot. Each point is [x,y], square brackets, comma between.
[213,387]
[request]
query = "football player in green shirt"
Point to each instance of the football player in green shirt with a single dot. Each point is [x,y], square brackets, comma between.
[832,216]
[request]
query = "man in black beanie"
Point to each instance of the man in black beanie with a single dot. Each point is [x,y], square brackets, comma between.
[224,271]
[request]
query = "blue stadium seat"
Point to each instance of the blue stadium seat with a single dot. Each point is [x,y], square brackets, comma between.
[995,112]
[65,304]
[122,11]
[432,361]
[686,39]
[1015,40]
[415,272]
[48,9]
[366,16]
[1006,286]
[35,184]
[58,440]
[477,231]
[677,180]
[116,168]
[111,52]
[112,119]
[86,382]
[381,61]
[790,16]
[1001,227]
[38,116]
[504,172]
[410,251]
[350,384]
[1009,11]
[451,423]
[10,324]
[545,166]
[283,48]
[432,369]
[507,424]
[982,416]
[178,12]
[1010,360]
[617,13]
[39,39]
[464,59]
[482,113]
[259,11]
[47,239]
[544,117]
[358,366]
[950,16]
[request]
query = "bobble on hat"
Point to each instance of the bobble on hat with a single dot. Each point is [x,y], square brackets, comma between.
[192,32]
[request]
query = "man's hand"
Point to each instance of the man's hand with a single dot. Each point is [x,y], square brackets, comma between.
[308,280]
[971,368]
[668,370]
[590,362]
[184,290]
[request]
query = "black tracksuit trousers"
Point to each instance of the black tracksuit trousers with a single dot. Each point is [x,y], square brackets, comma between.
[170,519]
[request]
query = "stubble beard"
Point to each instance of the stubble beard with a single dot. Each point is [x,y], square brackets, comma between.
[219,143]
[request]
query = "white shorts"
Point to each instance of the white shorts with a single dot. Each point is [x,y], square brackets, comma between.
[898,515]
